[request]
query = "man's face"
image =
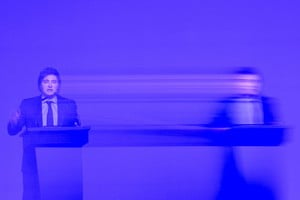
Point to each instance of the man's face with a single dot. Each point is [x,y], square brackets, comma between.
[49,85]
[247,84]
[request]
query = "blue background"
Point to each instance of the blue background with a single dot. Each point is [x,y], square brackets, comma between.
[154,37]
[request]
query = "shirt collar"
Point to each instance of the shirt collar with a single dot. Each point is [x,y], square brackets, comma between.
[45,99]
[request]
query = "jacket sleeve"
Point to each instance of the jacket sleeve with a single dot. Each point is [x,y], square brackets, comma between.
[14,127]
[270,114]
[220,117]
[76,121]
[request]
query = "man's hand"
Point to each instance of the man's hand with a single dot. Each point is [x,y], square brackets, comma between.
[15,117]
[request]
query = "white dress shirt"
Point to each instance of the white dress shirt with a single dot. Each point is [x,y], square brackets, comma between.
[45,110]
[247,111]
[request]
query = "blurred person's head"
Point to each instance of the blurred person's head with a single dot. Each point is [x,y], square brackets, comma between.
[49,82]
[247,81]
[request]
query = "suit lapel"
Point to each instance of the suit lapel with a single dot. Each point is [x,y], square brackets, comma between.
[39,118]
[60,108]
[266,111]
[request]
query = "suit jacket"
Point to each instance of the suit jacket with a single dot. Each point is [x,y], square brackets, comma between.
[224,115]
[31,114]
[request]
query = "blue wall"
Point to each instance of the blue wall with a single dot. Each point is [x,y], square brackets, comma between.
[154,37]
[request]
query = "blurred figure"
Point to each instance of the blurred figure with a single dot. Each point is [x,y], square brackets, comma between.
[247,105]
[46,110]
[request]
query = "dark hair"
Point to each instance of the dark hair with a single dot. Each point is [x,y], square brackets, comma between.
[48,71]
[246,71]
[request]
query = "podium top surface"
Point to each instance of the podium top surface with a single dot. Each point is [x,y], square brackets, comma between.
[56,136]
[159,135]
[58,129]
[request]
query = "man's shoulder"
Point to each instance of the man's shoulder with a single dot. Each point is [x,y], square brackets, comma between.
[270,101]
[267,98]
[64,99]
[32,99]
[30,103]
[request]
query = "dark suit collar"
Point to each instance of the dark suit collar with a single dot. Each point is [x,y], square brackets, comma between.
[38,111]
[60,110]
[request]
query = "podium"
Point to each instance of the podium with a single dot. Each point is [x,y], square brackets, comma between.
[56,136]
[54,156]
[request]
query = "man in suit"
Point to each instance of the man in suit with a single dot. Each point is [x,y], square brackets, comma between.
[34,112]
[246,107]
[46,110]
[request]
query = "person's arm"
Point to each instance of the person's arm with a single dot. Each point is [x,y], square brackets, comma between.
[72,118]
[220,117]
[76,117]
[270,112]
[16,123]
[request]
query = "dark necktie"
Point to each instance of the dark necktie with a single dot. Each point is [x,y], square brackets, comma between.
[50,114]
